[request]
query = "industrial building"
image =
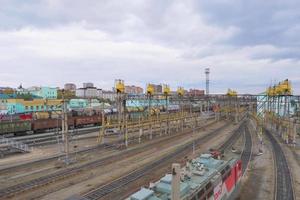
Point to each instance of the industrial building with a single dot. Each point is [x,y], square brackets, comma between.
[89,91]
[42,92]
[16,106]
[195,92]
[157,88]
[132,89]
[70,86]
[164,126]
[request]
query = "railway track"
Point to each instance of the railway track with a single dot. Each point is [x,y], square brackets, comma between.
[247,151]
[283,178]
[232,139]
[48,138]
[25,186]
[113,144]
[135,175]
[53,137]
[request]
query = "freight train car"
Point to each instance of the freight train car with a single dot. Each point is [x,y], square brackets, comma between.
[81,121]
[48,124]
[41,115]
[25,116]
[203,178]
[17,127]
[16,117]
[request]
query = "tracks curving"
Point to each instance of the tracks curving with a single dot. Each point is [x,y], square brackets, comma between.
[233,138]
[135,175]
[47,179]
[247,151]
[284,183]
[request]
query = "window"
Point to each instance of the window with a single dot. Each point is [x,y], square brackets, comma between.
[229,173]
[194,198]
[227,168]
[223,171]
[31,107]
[208,185]
[42,107]
[26,107]
[210,194]
[239,166]
[200,193]
[37,107]
[226,175]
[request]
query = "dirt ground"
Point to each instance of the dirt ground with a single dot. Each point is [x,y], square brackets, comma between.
[25,173]
[111,172]
[258,181]
[160,171]
[80,143]
[293,158]
[42,171]
[42,152]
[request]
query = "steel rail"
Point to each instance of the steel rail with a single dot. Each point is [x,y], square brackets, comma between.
[283,178]
[133,176]
[25,186]
[247,151]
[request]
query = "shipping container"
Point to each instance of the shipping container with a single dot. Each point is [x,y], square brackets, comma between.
[26,116]
[41,115]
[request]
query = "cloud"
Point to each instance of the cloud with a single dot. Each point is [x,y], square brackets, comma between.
[51,42]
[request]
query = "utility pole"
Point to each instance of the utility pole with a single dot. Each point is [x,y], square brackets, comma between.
[65,131]
[102,129]
[207,71]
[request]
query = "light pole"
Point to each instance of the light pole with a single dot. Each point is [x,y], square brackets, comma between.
[207,71]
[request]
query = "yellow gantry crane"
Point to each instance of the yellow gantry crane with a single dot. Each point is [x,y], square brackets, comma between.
[166,90]
[180,91]
[278,105]
[120,86]
[150,92]
[150,89]
[229,108]
[282,88]
[120,90]
[231,93]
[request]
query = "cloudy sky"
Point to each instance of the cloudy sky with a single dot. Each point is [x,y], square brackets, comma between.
[246,44]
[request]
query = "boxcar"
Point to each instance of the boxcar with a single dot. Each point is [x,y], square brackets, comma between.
[87,120]
[15,127]
[46,124]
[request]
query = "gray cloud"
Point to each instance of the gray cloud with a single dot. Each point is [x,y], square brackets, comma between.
[246,43]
